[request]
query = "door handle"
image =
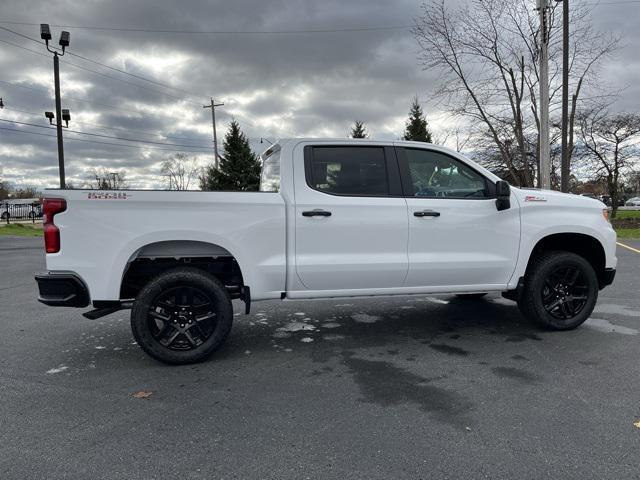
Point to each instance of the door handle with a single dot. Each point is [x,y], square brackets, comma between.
[426,213]
[316,213]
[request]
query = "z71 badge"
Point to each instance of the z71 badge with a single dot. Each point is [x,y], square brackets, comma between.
[108,196]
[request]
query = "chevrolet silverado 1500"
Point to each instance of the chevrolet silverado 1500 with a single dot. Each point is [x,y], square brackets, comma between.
[333,218]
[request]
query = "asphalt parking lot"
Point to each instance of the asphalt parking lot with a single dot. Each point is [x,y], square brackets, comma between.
[390,388]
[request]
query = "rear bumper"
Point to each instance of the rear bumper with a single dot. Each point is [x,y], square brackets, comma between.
[607,277]
[65,289]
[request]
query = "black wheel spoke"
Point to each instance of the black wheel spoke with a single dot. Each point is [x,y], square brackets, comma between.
[553,305]
[160,316]
[192,340]
[182,318]
[197,330]
[565,292]
[166,305]
[169,339]
[206,316]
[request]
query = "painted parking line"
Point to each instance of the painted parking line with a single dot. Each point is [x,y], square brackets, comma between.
[628,247]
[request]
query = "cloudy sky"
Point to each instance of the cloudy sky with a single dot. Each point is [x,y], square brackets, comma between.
[301,81]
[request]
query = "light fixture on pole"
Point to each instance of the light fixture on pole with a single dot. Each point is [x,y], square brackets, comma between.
[45,34]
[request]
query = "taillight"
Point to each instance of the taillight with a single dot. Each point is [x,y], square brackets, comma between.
[50,207]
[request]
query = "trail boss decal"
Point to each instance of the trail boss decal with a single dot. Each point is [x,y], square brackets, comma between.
[108,196]
[534,198]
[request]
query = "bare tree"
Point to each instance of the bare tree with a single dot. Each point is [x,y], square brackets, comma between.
[103,179]
[456,138]
[487,51]
[610,147]
[179,171]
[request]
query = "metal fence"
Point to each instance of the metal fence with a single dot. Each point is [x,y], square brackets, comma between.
[20,211]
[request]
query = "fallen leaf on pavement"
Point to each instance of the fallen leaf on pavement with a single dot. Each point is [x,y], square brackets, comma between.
[637,424]
[142,394]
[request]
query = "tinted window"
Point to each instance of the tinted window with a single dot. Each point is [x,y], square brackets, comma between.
[435,174]
[349,171]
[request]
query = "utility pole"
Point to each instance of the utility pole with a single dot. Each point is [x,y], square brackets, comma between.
[545,160]
[212,106]
[565,166]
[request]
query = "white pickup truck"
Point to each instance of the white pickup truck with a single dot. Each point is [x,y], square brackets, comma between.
[334,218]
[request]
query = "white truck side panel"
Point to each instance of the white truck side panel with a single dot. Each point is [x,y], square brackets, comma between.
[100,235]
[560,213]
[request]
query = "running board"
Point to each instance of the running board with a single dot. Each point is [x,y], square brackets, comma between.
[107,310]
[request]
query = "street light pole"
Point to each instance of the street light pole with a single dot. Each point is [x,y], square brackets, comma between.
[45,34]
[545,164]
[56,77]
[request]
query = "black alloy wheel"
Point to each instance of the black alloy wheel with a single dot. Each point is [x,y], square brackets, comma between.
[564,294]
[182,316]
[560,290]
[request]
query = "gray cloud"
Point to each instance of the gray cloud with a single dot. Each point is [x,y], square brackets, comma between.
[275,85]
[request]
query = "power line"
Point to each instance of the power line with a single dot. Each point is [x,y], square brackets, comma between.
[228,32]
[94,141]
[155,82]
[67,97]
[142,132]
[113,107]
[107,136]
[66,62]
[111,77]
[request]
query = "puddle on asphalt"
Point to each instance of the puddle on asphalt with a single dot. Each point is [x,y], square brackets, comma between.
[365,318]
[606,326]
[385,384]
[614,309]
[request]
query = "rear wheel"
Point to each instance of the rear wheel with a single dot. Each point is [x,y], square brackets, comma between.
[182,316]
[560,292]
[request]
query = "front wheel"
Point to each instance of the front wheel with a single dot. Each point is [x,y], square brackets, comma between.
[560,291]
[182,316]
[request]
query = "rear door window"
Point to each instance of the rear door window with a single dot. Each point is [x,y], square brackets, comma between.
[358,171]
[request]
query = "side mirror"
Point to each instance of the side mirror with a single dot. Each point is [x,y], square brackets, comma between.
[503,195]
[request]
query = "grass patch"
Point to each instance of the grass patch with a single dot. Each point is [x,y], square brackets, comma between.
[22,229]
[630,233]
[622,214]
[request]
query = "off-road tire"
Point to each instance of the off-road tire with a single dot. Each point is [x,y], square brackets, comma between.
[542,278]
[143,321]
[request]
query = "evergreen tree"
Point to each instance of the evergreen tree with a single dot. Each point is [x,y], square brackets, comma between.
[239,168]
[416,128]
[358,130]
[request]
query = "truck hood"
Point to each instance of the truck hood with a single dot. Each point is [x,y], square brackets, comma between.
[534,196]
